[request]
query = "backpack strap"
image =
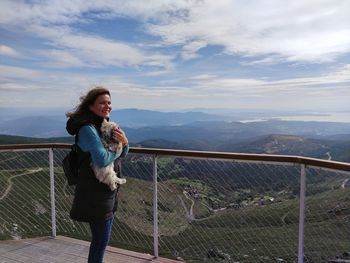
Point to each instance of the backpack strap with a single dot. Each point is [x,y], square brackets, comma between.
[76,138]
[75,145]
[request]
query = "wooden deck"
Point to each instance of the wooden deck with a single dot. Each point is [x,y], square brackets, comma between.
[65,250]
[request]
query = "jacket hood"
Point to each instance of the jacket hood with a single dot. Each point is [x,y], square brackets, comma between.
[73,126]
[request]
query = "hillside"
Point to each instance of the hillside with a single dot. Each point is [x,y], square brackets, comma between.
[282,144]
[270,144]
[199,131]
[200,201]
[53,125]
[174,126]
[197,210]
[12,139]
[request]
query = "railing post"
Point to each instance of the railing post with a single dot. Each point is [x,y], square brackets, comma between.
[52,194]
[155,207]
[301,214]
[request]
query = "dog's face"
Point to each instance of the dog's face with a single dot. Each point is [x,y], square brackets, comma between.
[107,129]
[107,140]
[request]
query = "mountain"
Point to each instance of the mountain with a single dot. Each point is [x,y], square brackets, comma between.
[216,132]
[12,139]
[146,124]
[135,118]
[36,125]
[269,144]
[335,137]
[160,143]
[278,144]
[195,131]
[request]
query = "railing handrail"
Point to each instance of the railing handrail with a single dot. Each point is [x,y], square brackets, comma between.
[308,161]
[297,161]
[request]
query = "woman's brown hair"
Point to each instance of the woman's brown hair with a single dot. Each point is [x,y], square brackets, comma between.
[82,112]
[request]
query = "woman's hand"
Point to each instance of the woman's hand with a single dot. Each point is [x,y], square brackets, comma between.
[119,136]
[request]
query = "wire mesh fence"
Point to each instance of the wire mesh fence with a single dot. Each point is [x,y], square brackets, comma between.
[24,194]
[208,210]
[327,226]
[212,210]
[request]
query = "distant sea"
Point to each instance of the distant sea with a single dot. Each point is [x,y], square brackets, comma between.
[329,117]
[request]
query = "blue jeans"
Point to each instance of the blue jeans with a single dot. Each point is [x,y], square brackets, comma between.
[101,232]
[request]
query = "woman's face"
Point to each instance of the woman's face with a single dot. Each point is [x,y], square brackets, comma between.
[102,106]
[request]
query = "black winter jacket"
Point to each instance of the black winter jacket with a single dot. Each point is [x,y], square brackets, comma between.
[93,201]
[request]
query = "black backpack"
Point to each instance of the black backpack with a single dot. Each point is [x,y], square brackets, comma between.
[70,164]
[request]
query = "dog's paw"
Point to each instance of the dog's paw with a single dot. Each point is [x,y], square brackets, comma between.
[121,180]
[113,186]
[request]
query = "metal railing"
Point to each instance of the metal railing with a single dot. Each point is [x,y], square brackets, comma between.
[198,206]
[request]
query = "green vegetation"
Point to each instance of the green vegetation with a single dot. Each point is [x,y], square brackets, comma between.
[209,211]
[13,139]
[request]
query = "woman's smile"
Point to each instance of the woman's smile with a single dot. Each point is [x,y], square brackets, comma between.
[102,106]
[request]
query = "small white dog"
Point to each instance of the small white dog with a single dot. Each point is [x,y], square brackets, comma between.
[106,174]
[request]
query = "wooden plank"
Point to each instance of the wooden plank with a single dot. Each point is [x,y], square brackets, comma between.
[65,250]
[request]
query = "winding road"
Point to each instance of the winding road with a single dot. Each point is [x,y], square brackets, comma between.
[344,183]
[10,183]
[190,215]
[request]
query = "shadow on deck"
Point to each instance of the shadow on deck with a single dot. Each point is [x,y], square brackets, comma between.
[65,250]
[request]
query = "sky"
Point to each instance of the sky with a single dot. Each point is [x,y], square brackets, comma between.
[174,55]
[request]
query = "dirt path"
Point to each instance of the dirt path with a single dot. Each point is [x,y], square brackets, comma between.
[283,218]
[10,183]
[190,212]
[344,183]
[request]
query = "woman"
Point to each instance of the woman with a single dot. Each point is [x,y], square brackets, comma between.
[94,202]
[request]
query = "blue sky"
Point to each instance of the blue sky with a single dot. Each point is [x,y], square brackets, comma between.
[181,54]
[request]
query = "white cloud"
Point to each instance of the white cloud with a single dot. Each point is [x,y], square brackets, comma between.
[156,73]
[17,88]
[19,73]
[212,85]
[95,51]
[8,51]
[51,20]
[260,33]
[189,51]
[196,91]
[61,58]
[312,31]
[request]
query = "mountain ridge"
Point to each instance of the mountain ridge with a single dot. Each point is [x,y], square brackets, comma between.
[52,123]
[279,144]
